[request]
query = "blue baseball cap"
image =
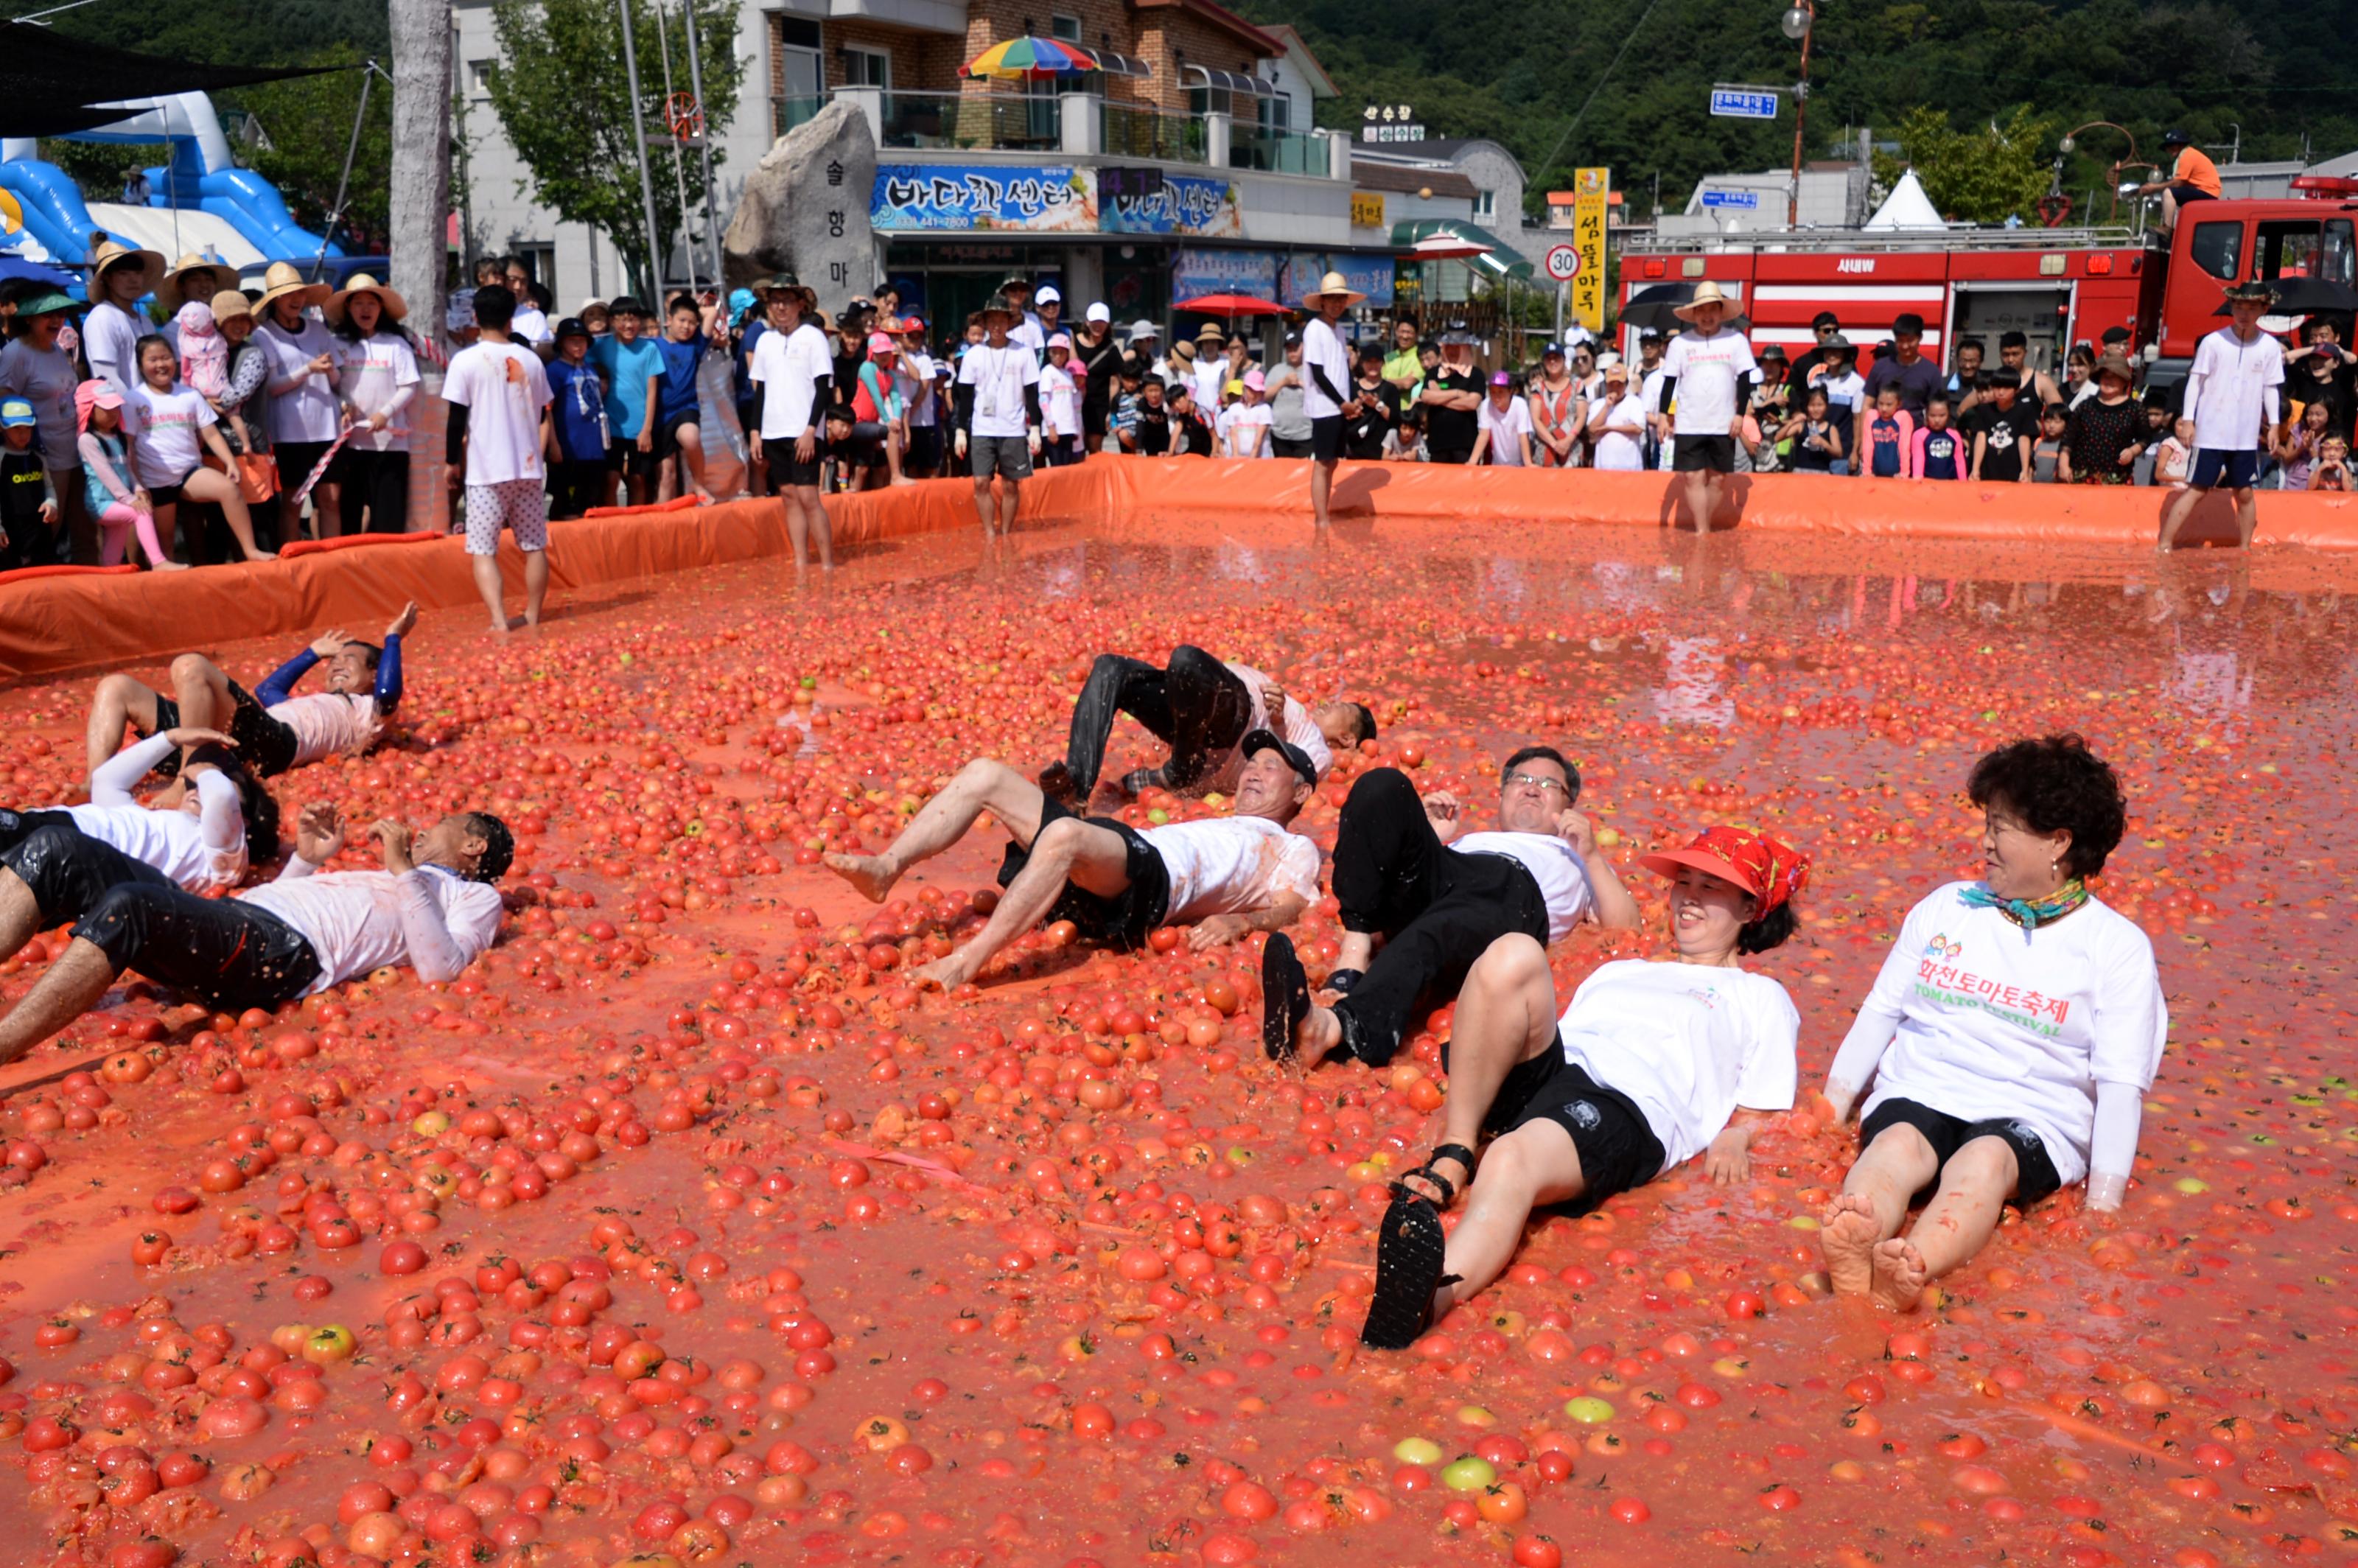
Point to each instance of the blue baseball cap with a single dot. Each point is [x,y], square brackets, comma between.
[741,302]
[13,412]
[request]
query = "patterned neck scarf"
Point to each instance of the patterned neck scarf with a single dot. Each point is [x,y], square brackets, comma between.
[2031,914]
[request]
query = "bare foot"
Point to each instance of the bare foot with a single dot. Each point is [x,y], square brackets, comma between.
[169,567]
[499,628]
[1847,1240]
[870,873]
[261,554]
[1317,1036]
[947,973]
[1900,1274]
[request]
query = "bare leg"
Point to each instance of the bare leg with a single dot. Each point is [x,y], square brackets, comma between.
[982,785]
[822,530]
[20,913]
[689,461]
[217,487]
[1322,485]
[1697,491]
[1874,1204]
[1953,1227]
[893,458]
[2180,506]
[1011,497]
[71,989]
[1506,1015]
[2247,514]
[797,525]
[536,584]
[1534,1165]
[202,692]
[488,584]
[983,507]
[119,700]
[1067,849]
[327,511]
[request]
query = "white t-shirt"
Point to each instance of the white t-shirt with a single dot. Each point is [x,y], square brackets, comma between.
[1244,429]
[359,921]
[1028,335]
[110,341]
[1997,1024]
[1689,1043]
[1232,865]
[1322,346]
[910,376]
[1209,377]
[1707,370]
[198,850]
[789,367]
[1623,451]
[1294,724]
[1845,398]
[503,388]
[368,374]
[330,723]
[530,325]
[1060,402]
[999,377]
[2230,404]
[1507,426]
[308,413]
[163,425]
[1564,881]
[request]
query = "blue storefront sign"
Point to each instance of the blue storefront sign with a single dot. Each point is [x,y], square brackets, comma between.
[1054,198]
[1370,275]
[1148,201]
[1195,272]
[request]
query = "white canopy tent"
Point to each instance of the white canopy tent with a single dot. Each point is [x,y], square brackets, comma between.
[1907,208]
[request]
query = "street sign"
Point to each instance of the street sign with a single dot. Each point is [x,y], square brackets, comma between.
[1591,194]
[1564,262]
[1743,200]
[1745,103]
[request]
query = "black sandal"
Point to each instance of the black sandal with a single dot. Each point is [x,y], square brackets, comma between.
[1284,996]
[1409,1252]
[1457,1152]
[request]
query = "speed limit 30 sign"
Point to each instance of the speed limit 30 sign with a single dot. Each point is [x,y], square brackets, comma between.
[1562,262]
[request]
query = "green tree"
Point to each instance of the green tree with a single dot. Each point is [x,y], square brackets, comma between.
[1984,174]
[560,95]
[308,124]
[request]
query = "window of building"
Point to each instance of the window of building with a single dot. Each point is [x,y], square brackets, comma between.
[1486,205]
[796,86]
[1276,113]
[1064,29]
[867,68]
[478,79]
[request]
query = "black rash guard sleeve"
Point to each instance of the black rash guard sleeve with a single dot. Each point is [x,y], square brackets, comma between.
[454,439]
[1318,375]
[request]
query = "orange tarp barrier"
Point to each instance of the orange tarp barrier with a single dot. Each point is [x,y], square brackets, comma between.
[89,619]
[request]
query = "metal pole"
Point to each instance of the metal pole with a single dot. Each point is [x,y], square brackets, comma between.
[678,159]
[1801,112]
[654,279]
[703,142]
[344,181]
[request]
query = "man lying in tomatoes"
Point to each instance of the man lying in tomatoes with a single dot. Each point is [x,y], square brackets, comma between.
[1226,876]
[433,906]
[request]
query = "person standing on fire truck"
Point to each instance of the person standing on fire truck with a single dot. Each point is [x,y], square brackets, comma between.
[2192,176]
[2234,391]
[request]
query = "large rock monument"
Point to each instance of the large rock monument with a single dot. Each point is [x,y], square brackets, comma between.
[805,209]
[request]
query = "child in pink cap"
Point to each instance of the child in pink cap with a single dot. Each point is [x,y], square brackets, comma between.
[114,496]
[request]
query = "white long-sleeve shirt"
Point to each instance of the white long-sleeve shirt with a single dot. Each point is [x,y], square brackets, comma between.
[429,918]
[198,850]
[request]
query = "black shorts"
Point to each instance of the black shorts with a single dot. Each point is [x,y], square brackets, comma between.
[2035,1175]
[296,460]
[925,452]
[66,870]
[1703,454]
[1458,455]
[1093,419]
[1285,446]
[1617,1150]
[2214,467]
[1326,438]
[169,494]
[2191,193]
[265,745]
[667,437]
[230,952]
[623,456]
[1123,921]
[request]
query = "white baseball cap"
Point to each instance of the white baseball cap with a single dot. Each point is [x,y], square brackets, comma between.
[1045,293]
[1097,312]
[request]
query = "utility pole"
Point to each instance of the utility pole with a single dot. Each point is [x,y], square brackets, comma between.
[703,143]
[420,209]
[654,279]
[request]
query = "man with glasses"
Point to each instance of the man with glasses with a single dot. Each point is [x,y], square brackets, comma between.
[1406,869]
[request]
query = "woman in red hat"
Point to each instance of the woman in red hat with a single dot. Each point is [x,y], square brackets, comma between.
[1654,1063]
[2009,1040]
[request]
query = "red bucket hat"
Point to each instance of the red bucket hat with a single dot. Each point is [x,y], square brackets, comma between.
[1771,873]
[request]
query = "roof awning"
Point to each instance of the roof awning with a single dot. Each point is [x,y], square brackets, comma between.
[1114,64]
[1234,82]
[1502,259]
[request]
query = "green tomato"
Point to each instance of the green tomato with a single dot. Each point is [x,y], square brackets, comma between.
[1588,1409]
[431,1124]
[2191,1185]
[1469,1474]
[1158,816]
[1417,1451]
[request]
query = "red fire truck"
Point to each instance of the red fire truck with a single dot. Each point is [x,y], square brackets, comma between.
[2057,286]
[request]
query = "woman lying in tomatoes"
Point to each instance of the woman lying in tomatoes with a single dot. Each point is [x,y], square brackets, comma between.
[1654,1063]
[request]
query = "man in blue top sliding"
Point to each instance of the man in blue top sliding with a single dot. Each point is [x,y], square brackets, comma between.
[273,730]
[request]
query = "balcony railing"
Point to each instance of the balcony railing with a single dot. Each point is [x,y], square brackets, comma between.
[1135,131]
[1010,121]
[785,114]
[1277,151]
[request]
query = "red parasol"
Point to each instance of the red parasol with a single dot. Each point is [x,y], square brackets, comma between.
[1230,304]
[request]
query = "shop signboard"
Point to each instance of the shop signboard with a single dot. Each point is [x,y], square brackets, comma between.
[1153,202]
[1370,275]
[1053,198]
[1196,272]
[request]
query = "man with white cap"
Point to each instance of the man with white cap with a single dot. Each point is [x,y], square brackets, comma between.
[1048,314]
[1326,392]
[1708,375]
[1097,365]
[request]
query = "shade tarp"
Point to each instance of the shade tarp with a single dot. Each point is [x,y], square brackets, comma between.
[51,85]
[1500,258]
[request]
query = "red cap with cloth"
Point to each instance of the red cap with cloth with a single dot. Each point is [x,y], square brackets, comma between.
[1771,873]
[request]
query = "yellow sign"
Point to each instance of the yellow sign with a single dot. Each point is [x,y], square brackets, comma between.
[1589,188]
[1367,209]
